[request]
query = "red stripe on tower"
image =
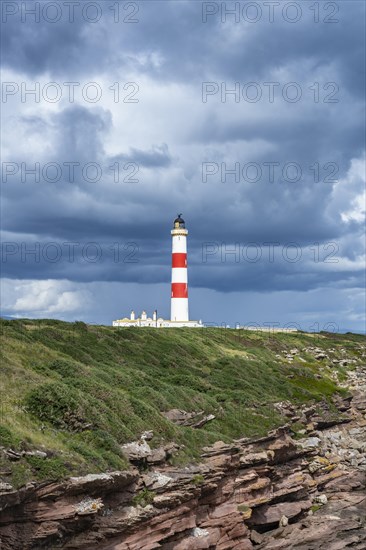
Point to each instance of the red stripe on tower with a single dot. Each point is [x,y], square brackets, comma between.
[179,259]
[179,290]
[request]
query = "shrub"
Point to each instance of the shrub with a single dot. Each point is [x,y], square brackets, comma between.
[48,468]
[52,403]
[80,325]
[20,474]
[197,479]
[64,367]
[7,438]
[102,440]
[143,498]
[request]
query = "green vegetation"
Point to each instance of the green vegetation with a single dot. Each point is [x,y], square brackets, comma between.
[50,468]
[20,474]
[243,508]
[78,391]
[315,508]
[198,479]
[143,498]
[7,438]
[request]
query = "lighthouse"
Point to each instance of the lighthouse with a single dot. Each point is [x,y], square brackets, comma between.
[179,294]
[179,316]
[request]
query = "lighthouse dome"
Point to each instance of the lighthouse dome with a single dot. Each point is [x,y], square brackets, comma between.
[179,222]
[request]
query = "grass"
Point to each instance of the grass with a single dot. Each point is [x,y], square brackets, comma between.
[143,498]
[198,479]
[80,391]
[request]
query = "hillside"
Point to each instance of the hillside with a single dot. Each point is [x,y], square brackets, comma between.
[78,392]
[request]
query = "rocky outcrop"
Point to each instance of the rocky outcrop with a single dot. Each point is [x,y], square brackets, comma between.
[141,454]
[291,489]
[43,516]
[336,520]
[192,419]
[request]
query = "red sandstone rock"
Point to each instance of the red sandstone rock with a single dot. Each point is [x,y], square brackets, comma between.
[259,479]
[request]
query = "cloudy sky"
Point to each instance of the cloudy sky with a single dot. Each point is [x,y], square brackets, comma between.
[246,117]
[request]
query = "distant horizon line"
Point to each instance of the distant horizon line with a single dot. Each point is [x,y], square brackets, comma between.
[209,325]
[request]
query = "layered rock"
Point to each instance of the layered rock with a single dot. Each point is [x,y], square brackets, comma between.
[192,419]
[266,493]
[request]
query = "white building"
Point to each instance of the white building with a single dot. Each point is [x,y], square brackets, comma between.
[154,322]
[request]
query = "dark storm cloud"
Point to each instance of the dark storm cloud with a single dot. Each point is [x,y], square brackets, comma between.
[187,45]
[32,45]
[171,45]
[65,46]
[81,129]
[158,156]
[228,267]
[277,213]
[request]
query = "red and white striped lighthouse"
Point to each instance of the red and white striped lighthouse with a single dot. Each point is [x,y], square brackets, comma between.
[179,298]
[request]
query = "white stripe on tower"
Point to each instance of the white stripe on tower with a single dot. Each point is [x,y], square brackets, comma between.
[179,296]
